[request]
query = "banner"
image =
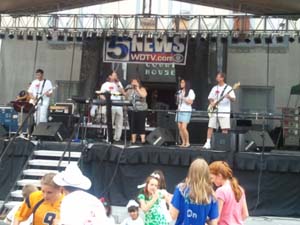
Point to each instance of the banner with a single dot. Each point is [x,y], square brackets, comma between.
[164,50]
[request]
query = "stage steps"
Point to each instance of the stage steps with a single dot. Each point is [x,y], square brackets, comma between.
[44,159]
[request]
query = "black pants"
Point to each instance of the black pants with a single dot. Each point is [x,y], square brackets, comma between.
[137,121]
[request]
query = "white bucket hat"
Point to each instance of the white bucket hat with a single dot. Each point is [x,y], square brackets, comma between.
[132,203]
[73,177]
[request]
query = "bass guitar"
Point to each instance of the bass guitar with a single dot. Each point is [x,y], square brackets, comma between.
[212,108]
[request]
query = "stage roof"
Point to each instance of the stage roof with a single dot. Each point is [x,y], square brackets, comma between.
[249,6]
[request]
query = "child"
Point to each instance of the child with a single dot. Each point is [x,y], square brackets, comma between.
[150,202]
[231,196]
[193,201]
[133,210]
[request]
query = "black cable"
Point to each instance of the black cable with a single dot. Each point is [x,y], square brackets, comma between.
[114,173]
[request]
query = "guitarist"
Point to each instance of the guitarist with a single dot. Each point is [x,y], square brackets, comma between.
[41,87]
[222,115]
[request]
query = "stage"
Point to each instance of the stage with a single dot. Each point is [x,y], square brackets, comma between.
[271,180]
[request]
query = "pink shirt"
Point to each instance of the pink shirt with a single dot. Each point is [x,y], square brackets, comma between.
[232,210]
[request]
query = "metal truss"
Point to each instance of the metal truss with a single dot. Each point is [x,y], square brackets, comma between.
[153,23]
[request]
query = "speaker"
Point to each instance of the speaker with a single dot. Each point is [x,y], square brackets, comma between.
[224,142]
[254,141]
[160,136]
[50,131]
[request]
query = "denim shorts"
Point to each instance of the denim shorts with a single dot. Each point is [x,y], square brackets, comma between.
[183,117]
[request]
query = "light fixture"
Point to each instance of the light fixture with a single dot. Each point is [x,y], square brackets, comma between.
[257,39]
[61,36]
[49,36]
[20,35]
[279,39]
[39,36]
[11,35]
[2,34]
[29,36]
[269,39]
[203,37]
[70,37]
[214,38]
[79,37]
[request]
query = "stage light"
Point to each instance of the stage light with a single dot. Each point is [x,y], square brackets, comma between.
[79,37]
[248,38]
[214,38]
[292,38]
[140,37]
[268,40]
[2,34]
[149,37]
[11,35]
[29,36]
[159,37]
[279,39]
[89,35]
[49,36]
[39,36]
[257,40]
[20,35]
[70,37]
[203,37]
[61,36]
[224,39]
[234,40]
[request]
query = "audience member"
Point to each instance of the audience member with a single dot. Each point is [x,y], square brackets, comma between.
[133,211]
[231,196]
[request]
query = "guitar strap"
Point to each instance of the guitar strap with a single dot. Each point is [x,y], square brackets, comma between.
[41,92]
[223,91]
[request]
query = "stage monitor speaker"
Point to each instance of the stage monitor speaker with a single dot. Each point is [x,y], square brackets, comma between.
[50,131]
[255,141]
[224,142]
[160,136]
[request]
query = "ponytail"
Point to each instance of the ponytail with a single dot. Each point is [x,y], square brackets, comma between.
[222,168]
[237,190]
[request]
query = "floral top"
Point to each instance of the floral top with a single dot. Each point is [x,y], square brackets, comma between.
[155,215]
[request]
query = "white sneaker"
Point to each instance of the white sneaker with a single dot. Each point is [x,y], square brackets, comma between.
[207,145]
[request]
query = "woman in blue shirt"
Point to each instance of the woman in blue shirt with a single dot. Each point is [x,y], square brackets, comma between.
[193,202]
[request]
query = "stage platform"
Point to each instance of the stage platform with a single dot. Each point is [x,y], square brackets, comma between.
[271,180]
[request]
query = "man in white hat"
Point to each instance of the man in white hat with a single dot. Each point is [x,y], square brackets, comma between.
[78,207]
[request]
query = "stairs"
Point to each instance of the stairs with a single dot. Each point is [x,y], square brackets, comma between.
[44,159]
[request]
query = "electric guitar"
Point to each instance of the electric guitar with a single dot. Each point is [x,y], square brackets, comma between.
[212,109]
[33,101]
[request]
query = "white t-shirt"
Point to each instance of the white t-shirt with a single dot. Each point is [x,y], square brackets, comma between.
[224,106]
[82,208]
[11,216]
[182,105]
[129,221]
[36,89]
[113,88]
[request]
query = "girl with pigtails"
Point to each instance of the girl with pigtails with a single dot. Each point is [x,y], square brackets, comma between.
[230,195]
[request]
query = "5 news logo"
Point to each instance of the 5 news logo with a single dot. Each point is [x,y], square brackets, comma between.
[141,50]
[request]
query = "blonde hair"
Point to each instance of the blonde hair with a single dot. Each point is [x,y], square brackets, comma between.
[198,184]
[28,189]
[47,179]
[222,168]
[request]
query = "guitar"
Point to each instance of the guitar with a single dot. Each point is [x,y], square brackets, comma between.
[33,101]
[213,109]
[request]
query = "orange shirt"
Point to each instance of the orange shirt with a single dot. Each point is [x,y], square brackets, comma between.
[43,212]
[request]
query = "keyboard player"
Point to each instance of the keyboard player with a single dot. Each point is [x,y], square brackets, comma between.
[115,87]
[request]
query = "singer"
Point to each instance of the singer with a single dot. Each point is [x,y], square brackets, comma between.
[137,113]
[114,86]
[185,98]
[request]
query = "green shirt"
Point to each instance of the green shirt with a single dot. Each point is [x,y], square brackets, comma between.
[155,215]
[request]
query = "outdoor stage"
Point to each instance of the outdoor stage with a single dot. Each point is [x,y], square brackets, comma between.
[271,180]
